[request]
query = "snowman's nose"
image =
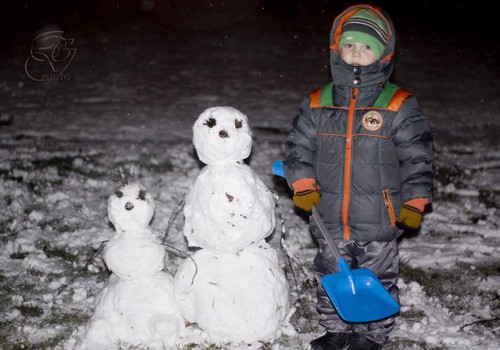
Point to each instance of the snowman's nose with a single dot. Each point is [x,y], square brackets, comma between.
[223,134]
[129,205]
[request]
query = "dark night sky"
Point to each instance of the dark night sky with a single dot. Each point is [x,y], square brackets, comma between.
[462,21]
[460,17]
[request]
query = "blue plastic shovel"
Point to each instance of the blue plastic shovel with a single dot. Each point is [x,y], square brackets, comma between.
[357,294]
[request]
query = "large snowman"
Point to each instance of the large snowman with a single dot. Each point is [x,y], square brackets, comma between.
[137,307]
[233,288]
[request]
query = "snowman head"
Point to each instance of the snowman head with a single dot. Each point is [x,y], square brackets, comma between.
[130,207]
[221,135]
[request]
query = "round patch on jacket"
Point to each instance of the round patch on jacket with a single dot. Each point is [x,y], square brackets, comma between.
[372,120]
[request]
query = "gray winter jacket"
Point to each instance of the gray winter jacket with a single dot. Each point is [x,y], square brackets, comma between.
[366,142]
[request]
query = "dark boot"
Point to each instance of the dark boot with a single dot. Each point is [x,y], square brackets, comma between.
[359,342]
[331,341]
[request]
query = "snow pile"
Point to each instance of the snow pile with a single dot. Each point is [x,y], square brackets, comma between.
[433,324]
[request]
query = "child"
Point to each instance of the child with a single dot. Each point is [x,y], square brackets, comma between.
[361,150]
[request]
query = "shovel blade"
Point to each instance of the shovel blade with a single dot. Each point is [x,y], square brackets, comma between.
[361,298]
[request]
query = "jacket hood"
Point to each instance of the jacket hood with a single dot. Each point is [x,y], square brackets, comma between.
[376,73]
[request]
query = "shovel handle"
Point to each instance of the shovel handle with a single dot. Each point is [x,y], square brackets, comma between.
[324,231]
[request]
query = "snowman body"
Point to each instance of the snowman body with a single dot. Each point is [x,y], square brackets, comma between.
[137,306]
[234,287]
[235,298]
[228,208]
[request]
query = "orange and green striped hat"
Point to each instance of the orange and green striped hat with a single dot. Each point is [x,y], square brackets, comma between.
[365,27]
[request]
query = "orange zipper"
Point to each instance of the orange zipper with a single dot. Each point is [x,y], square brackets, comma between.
[347,165]
[390,208]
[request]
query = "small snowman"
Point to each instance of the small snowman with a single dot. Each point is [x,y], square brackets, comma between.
[137,307]
[233,288]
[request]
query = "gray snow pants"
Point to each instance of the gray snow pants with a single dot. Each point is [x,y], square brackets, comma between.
[380,257]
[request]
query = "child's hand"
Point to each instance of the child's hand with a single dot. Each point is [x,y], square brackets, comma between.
[305,193]
[305,200]
[410,218]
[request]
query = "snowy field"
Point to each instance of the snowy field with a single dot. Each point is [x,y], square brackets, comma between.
[128,103]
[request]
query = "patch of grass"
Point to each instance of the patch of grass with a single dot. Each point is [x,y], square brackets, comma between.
[64,165]
[67,319]
[55,252]
[305,316]
[67,322]
[58,225]
[20,255]
[34,272]
[462,152]
[68,164]
[31,207]
[8,200]
[493,298]
[23,345]
[434,282]
[6,292]
[30,310]
[162,167]
[7,175]
[450,197]
[398,344]
[446,175]
[90,256]
[450,235]
[5,327]
[5,230]
[488,198]
[131,168]
[25,287]
[454,288]
[481,270]
[413,314]
[36,186]
[48,344]
[213,347]
[476,218]
[51,343]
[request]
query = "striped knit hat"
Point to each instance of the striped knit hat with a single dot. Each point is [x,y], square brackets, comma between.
[364,27]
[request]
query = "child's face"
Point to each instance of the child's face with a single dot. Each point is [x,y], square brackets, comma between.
[357,54]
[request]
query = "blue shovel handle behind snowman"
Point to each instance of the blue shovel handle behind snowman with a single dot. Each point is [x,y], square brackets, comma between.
[357,294]
[278,168]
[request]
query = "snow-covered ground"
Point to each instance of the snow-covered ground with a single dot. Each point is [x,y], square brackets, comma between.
[130,99]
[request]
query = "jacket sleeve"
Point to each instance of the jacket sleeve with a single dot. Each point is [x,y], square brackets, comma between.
[300,146]
[412,137]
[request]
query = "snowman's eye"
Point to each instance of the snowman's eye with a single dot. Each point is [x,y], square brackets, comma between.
[210,122]
[238,123]
[142,194]
[119,193]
